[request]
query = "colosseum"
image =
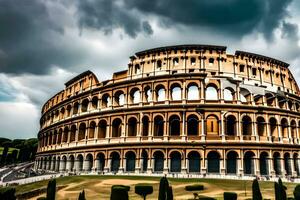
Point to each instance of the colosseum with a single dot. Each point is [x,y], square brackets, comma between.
[184,111]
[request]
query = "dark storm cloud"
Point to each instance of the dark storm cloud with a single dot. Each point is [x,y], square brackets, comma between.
[30,40]
[107,15]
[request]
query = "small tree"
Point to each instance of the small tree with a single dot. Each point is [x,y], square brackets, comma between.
[230,196]
[256,194]
[119,192]
[8,193]
[51,190]
[163,188]
[280,193]
[143,190]
[170,193]
[81,195]
[297,192]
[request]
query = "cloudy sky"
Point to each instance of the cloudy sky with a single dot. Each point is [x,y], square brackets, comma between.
[43,43]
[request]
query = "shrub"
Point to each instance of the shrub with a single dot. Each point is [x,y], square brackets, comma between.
[297,192]
[163,188]
[123,186]
[143,190]
[195,187]
[280,193]
[256,194]
[119,192]
[230,196]
[8,193]
[170,193]
[81,195]
[41,198]
[51,189]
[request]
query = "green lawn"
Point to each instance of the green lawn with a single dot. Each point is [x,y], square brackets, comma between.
[98,187]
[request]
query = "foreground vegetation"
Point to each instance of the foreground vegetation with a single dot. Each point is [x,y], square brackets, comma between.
[100,187]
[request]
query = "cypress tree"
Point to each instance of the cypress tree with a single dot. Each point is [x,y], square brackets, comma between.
[277,191]
[282,189]
[297,192]
[163,188]
[81,195]
[256,194]
[51,189]
[170,193]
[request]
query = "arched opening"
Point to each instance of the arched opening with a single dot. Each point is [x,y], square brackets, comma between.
[120,98]
[116,127]
[175,61]
[231,125]
[273,127]
[161,93]
[132,127]
[158,161]
[245,95]
[158,65]
[62,113]
[213,162]
[84,105]
[135,96]
[53,164]
[95,102]
[59,136]
[144,160]
[148,94]
[130,161]
[281,101]
[115,162]
[290,104]
[211,93]
[293,129]
[71,163]
[175,161]
[89,162]
[176,92]
[102,129]
[270,99]
[247,126]
[158,126]
[174,125]
[192,125]
[81,133]
[92,130]
[228,94]
[258,99]
[72,133]
[79,162]
[100,162]
[69,108]
[75,108]
[249,163]
[63,165]
[263,164]
[212,125]
[231,164]
[284,127]
[193,92]
[145,124]
[296,163]
[276,163]
[106,101]
[260,126]
[137,69]
[287,164]
[194,162]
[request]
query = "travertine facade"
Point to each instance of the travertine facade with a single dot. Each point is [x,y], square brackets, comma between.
[190,110]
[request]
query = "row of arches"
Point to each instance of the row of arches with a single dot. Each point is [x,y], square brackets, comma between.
[264,164]
[174,126]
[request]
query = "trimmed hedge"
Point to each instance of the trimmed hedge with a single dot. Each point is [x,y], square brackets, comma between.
[41,198]
[143,190]
[195,187]
[124,186]
[119,192]
[230,196]
[297,192]
[8,193]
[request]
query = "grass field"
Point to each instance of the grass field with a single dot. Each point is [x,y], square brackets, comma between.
[98,187]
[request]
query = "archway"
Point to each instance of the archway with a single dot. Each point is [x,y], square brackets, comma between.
[284,127]
[211,93]
[115,162]
[145,124]
[158,126]
[192,125]
[158,161]
[231,125]
[247,126]
[276,163]
[116,127]
[174,125]
[84,105]
[263,164]
[260,126]
[231,164]
[175,159]
[249,163]
[273,127]
[79,162]
[130,161]
[102,129]
[88,163]
[92,130]
[212,125]
[213,162]
[63,163]
[71,163]
[145,161]
[296,163]
[287,164]
[81,133]
[194,162]
[100,162]
[132,127]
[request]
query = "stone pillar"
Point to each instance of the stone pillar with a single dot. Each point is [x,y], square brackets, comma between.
[57,165]
[283,171]
[62,165]
[166,165]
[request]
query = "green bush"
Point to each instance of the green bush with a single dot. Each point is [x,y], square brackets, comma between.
[81,195]
[51,190]
[195,187]
[41,198]
[163,189]
[119,192]
[143,190]
[124,186]
[230,196]
[256,194]
[297,192]
[7,193]
[170,193]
